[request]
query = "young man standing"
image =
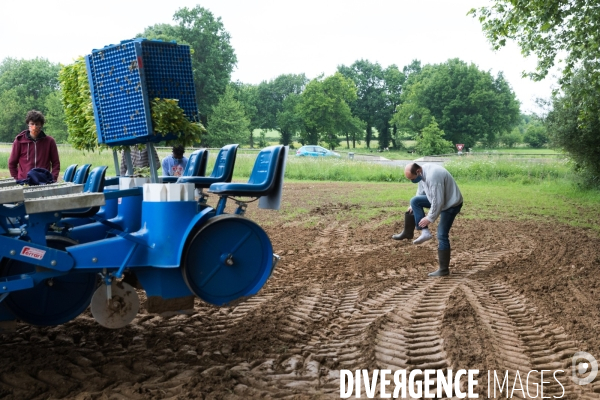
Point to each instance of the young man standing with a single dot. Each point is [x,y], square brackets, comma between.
[32,148]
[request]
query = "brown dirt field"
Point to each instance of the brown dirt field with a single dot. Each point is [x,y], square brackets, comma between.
[521,296]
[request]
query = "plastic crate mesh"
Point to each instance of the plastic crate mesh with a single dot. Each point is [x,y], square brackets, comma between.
[124,79]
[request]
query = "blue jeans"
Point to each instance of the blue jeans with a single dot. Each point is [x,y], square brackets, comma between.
[417,204]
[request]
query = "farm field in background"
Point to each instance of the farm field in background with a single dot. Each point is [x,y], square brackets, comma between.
[342,169]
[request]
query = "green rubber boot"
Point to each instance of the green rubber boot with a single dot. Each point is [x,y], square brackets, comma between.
[444,259]
[409,228]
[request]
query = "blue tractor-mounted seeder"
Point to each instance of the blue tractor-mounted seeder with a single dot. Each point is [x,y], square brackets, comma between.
[89,240]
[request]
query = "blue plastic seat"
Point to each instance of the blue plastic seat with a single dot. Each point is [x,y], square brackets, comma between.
[196,166]
[95,180]
[69,173]
[82,173]
[266,170]
[222,172]
[94,184]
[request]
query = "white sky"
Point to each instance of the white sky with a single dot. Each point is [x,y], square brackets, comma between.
[275,37]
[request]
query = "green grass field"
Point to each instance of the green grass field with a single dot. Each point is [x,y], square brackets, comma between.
[494,188]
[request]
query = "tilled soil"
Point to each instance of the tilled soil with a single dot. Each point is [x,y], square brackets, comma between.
[520,297]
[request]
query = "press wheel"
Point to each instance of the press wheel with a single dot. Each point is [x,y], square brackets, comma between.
[53,301]
[227,259]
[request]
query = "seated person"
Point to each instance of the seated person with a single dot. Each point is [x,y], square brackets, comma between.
[175,164]
[139,159]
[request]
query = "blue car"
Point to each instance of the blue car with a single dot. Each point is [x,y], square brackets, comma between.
[316,151]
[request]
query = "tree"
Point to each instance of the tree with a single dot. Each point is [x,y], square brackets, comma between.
[227,122]
[325,110]
[578,136]
[547,28]
[431,141]
[55,118]
[289,119]
[213,57]
[272,100]
[246,94]
[512,138]
[370,86]
[394,81]
[569,29]
[12,115]
[536,135]
[24,86]
[469,105]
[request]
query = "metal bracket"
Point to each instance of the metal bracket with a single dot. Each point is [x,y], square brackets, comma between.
[241,207]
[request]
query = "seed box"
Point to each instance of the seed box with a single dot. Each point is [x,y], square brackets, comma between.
[124,78]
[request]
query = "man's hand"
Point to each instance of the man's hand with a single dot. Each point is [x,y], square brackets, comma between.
[424,222]
[409,210]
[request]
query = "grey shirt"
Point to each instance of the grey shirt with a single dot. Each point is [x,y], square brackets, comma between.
[139,159]
[440,188]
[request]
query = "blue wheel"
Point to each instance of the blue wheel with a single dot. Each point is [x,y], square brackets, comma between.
[227,259]
[53,301]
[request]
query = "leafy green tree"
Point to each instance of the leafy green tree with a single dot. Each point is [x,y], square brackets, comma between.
[569,30]
[326,111]
[24,86]
[272,100]
[12,115]
[578,136]
[394,81]
[289,119]
[431,141]
[55,118]
[512,138]
[213,57]
[470,105]
[370,102]
[228,122]
[246,94]
[536,135]
[546,28]
[413,68]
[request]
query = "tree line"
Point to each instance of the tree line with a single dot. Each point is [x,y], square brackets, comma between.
[438,105]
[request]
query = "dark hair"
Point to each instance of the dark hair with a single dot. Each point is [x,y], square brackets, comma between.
[178,151]
[414,168]
[35,117]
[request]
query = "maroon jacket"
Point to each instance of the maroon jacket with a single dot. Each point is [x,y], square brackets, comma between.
[27,154]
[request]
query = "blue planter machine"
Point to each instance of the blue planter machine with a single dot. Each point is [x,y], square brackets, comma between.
[68,246]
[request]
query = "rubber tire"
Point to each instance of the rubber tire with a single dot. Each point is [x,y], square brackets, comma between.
[45,305]
[203,264]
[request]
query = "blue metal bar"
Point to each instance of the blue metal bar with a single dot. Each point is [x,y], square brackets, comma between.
[119,273]
[137,191]
[14,283]
[221,205]
[36,254]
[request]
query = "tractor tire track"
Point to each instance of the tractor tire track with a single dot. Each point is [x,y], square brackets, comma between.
[523,340]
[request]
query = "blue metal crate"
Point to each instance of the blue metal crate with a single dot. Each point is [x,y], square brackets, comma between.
[124,78]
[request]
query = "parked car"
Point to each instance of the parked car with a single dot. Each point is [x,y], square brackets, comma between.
[316,151]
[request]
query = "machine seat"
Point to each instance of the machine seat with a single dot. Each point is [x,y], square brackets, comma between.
[264,174]
[222,172]
[94,184]
[82,174]
[69,174]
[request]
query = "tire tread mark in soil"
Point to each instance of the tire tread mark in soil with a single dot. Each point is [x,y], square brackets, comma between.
[546,346]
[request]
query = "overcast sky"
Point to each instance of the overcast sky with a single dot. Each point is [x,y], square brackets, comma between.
[276,37]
